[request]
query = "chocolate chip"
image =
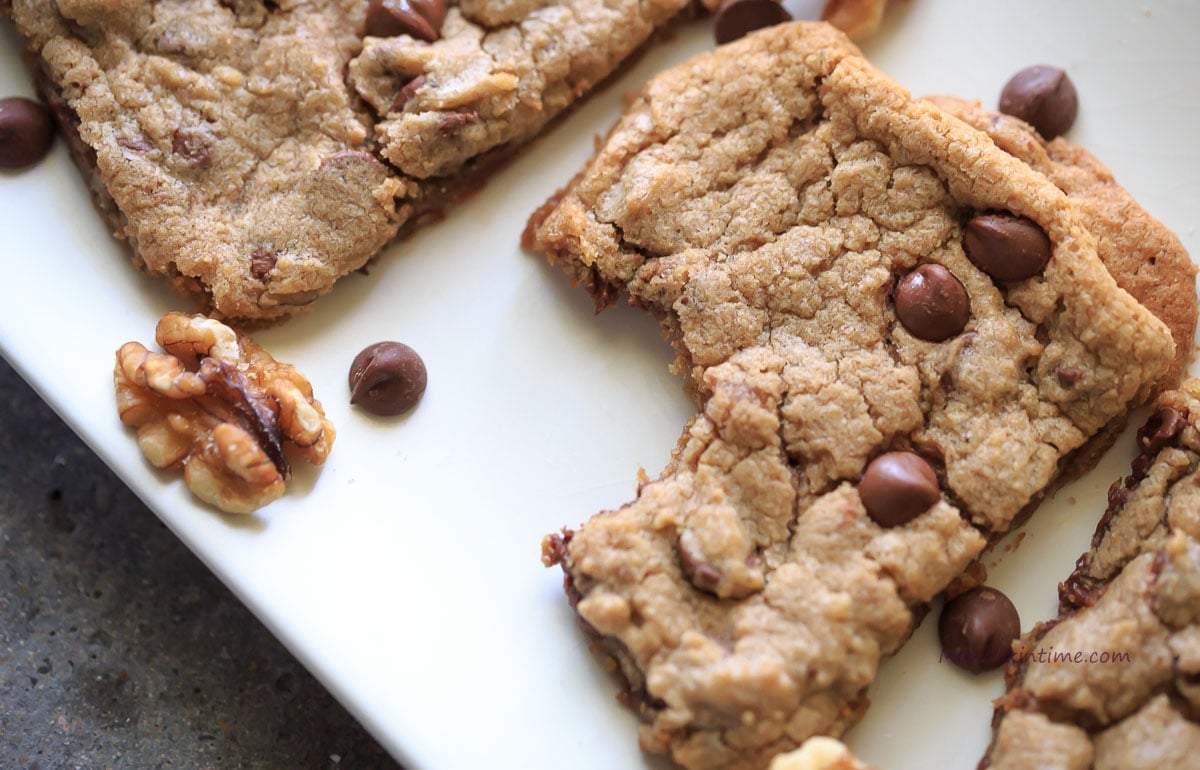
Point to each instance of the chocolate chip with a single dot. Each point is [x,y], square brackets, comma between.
[407,92]
[262,261]
[449,122]
[1160,430]
[897,487]
[703,574]
[137,143]
[1068,377]
[977,629]
[421,19]
[1042,96]
[26,132]
[931,303]
[737,18]
[1008,248]
[387,378]
[193,145]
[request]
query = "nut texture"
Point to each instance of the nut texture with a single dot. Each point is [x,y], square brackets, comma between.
[222,409]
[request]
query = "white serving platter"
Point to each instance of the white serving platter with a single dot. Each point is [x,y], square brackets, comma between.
[405,574]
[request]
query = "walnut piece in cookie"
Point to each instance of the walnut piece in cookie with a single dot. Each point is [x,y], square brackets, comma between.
[857,18]
[818,753]
[221,408]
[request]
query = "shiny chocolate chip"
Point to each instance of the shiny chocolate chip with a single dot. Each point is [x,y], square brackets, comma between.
[387,378]
[1006,247]
[931,303]
[977,629]
[26,132]
[897,487]
[1042,96]
[737,18]
[421,19]
[1160,430]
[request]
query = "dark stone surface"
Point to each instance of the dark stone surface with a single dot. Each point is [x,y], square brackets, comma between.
[118,649]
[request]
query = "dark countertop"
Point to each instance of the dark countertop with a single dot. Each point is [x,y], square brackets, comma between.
[118,648]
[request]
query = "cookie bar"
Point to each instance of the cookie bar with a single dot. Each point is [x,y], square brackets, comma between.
[1112,683]
[223,142]
[497,75]
[1144,256]
[773,204]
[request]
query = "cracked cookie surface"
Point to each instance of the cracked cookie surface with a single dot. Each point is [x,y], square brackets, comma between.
[1142,254]
[224,143]
[1112,682]
[763,201]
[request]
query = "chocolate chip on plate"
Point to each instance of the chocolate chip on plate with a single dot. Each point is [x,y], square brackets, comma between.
[931,303]
[1006,247]
[737,18]
[977,629]
[1042,96]
[897,487]
[26,132]
[421,19]
[387,378]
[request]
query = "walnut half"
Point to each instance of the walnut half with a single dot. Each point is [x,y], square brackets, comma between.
[222,409]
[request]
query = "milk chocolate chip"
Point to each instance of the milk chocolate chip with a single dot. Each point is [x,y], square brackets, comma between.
[387,378]
[1044,97]
[897,487]
[931,303]
[737,18]
[1160,430]
[1006,247]
[421,19]
[977,629]
[26,132]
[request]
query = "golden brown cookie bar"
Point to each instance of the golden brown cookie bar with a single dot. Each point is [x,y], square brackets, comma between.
[771,203]
[1146,259]
[224,143]
[496,76]
[1112,683]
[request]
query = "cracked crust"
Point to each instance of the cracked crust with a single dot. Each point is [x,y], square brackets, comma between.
[761,201]
[499,73]
[1133,600]
[1146,259]
[223,142]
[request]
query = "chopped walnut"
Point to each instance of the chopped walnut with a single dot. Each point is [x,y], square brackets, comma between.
[222,409]
[857,18]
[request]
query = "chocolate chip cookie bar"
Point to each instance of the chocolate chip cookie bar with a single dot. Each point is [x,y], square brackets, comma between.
[898,335]
[252,153]
[1142,254]
[1112,683]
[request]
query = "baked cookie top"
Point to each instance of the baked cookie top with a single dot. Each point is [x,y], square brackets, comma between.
[1112,682]
[771,202]
[254,152]
[771,195]
[1142,254]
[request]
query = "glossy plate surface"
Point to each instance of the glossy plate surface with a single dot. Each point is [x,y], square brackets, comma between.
[405,574]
